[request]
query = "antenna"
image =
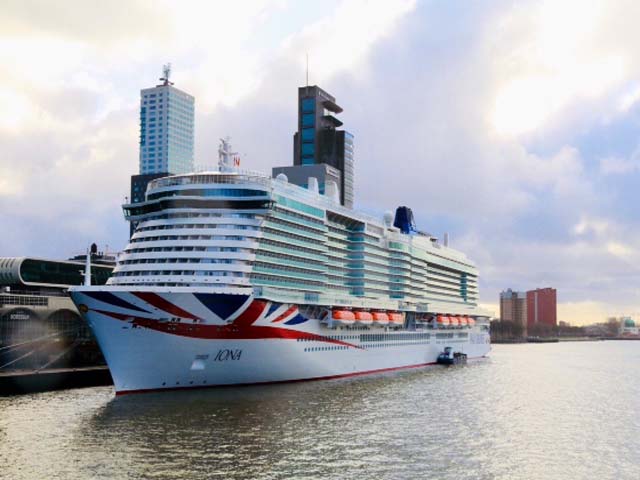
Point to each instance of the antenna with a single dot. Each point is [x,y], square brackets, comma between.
[307,69]
[166,74]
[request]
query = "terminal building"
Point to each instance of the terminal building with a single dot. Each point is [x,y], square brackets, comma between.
[320,149]
[40,326]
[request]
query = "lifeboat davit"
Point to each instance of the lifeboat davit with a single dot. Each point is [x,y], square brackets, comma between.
[453,321]
[364,318]
[442,320]
[343,317]
[395,319]
[380,318]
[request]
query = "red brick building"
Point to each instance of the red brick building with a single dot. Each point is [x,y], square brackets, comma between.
[542,307]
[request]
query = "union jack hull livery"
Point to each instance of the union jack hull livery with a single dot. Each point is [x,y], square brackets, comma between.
[163,340]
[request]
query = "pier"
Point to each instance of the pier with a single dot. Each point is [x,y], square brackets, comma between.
[18,382]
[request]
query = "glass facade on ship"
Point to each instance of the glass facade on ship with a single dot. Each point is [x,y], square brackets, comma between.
[250,233]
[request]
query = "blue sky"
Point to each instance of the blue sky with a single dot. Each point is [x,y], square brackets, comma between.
[511,125]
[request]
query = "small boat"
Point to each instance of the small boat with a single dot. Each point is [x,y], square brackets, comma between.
[453,321]
[449,357]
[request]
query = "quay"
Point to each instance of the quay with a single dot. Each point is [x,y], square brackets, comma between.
[17,382]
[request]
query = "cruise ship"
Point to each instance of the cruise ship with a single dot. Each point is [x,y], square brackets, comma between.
[234,277]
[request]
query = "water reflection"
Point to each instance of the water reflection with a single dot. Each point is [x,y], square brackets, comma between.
[531,411]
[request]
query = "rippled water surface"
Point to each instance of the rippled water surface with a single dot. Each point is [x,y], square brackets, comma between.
[554,411]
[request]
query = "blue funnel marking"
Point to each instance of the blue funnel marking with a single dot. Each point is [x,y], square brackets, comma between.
[221,304]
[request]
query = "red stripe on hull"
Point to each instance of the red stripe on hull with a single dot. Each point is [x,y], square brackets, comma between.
[280,382]
[241,329]
[159,302]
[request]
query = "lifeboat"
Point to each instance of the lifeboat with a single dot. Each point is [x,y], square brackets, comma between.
[395,319]
[471,321]
[380,318]
[463,321]
[364,318]
[453,321]
[343,317]
[442,320]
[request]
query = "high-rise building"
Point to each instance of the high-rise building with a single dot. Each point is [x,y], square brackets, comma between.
[319,149]
[513,307]
[166,128]
[166,135]
[542,307]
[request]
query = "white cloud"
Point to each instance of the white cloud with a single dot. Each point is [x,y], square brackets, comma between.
[617,166]
[629,99]
[591,225]
[563,56]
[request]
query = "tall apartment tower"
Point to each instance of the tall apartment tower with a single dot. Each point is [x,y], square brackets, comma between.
[513,307]
[542,307]
[166,128]
[166,134]
[320,150]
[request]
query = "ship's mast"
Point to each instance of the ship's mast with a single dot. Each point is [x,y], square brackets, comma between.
[228,160]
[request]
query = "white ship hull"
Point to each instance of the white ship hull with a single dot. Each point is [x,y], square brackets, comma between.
[163,340]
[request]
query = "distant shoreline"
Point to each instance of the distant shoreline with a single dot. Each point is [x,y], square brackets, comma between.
[558,340]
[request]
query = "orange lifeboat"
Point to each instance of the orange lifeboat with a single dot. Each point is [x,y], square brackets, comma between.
[365,318]
[380,318]
[463,321]
[343,317]
[471,321]
[442,320]
[395,318]
[453,321]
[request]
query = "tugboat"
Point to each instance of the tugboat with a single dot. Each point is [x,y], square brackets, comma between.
[449,357]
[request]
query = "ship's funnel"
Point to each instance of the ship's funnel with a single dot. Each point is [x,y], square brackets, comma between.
[404,220]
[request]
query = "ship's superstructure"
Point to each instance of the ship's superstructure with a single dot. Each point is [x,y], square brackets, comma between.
[246,232]
[234,277]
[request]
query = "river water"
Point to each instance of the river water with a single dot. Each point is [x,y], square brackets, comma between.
[536,411]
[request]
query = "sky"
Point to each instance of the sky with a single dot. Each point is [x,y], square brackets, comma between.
[513,126]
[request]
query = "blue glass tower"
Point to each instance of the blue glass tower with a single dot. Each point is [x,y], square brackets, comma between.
[318,142]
